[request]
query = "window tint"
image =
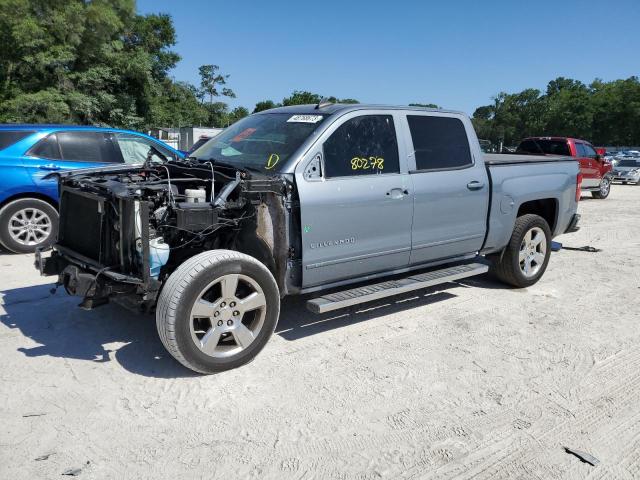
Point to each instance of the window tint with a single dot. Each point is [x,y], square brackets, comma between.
[589,151]
[439,142]
[46,148]
[364,145]
[546,146]
[93,147]
[135,149]
[581,150]
[8,137]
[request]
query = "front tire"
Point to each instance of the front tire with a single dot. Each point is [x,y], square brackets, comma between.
[217,311]
[28,223]
[526,256]
[604,189]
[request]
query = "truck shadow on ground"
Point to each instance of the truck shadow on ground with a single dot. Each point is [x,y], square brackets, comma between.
[61,330]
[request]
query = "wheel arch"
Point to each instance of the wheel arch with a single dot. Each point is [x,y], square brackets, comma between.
[546,208]
[29,196]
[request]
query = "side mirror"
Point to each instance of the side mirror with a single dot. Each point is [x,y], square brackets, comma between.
[598,157]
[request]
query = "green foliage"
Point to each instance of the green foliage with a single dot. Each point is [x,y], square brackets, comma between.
[606,113]
[424,105]
[97,62]
[264,105]
[210,78]
[299,97]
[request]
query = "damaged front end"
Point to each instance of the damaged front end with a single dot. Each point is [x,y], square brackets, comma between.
[124,230]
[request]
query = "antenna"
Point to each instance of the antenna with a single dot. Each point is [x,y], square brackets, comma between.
[324,101]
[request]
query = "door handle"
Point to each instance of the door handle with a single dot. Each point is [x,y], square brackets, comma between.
[396,193]
[49,166]
[475,185]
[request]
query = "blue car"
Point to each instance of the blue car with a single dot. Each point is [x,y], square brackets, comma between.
[28,202]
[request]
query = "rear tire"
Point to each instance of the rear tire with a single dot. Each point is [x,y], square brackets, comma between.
[604,189]
[530,244]
[217,311]
[28,223]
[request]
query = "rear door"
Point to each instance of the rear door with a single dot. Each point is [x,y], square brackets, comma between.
[450,185]
[67,150]
[355,200]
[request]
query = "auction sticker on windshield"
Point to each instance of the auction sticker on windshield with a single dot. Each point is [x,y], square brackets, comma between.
[305,119]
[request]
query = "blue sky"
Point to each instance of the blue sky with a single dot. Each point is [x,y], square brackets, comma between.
[455,53]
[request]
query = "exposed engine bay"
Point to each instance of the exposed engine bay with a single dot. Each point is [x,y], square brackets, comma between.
[131,227]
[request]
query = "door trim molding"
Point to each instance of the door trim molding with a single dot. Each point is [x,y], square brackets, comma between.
[357,257]
[444,242]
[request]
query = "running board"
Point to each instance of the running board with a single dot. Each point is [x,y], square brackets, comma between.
[356,296]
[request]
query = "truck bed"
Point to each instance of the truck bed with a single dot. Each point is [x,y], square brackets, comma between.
[516,158]
[517,179]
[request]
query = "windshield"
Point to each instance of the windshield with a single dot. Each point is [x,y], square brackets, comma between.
[549,147]
[260,142]
[629,163]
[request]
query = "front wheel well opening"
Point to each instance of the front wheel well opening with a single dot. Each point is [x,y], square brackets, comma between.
[29,196]
[546,208]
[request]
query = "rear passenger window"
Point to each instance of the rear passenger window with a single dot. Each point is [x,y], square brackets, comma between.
[440,142]
[46,148]
[364,145]
[95,147]
[9,137]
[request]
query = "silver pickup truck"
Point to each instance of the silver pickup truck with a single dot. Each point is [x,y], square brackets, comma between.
[317,199]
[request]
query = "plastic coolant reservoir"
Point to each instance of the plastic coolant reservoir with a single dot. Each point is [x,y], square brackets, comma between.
[195,195]
[158,255]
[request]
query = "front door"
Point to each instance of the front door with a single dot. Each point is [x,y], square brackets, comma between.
[355,201]
[588,166]
[451,190]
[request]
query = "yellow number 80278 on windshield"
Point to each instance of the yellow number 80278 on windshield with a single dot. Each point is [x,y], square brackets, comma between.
[371,163]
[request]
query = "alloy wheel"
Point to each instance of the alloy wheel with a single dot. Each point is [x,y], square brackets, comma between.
[228,315]
[533,251]
[30,226]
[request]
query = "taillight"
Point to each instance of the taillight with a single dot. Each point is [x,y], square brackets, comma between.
[578,186]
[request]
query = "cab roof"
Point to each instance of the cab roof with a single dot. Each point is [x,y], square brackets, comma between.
[333,108]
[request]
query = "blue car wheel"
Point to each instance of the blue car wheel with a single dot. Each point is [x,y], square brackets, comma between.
[26,224]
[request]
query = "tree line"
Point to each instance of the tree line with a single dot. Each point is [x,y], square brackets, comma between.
[605,113]
[101,63]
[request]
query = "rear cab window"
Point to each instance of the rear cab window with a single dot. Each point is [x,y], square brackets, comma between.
[11,137]
[546,146]
[439,143]
[363,145]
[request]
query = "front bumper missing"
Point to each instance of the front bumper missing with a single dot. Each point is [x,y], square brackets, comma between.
[95,285]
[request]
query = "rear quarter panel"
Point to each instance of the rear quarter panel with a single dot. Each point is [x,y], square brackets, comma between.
[513,185]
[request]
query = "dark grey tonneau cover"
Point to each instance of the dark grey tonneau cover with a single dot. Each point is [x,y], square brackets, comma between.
[507,158]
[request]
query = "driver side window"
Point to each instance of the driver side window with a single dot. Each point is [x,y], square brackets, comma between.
[589,151]
[135,149]
[364,145]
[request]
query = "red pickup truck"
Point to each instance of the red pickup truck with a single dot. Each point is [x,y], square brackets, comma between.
[595,170]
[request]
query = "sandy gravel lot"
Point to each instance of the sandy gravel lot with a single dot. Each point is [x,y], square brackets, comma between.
[468,380]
